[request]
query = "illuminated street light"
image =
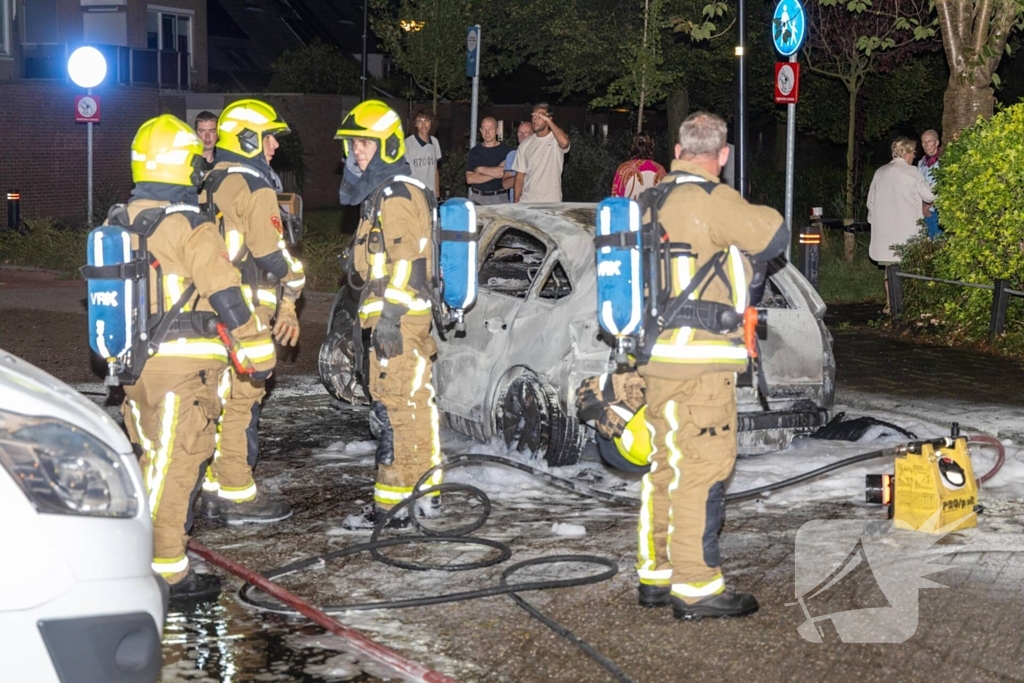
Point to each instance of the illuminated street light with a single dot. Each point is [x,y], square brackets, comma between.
[87,68]
[411,26]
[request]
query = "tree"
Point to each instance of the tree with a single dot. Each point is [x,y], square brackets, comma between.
[974,35]
[645,80]
[851,41]
[427,40]
[317,68]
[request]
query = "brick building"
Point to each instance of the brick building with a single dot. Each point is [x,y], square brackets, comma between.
[156,51]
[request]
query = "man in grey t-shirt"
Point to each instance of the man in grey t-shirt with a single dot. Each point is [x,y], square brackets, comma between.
[539,160]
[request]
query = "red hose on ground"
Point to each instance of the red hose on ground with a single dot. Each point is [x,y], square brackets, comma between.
[355,639]
[1000,457]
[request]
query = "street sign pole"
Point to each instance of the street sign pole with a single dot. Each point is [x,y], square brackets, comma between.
[790,163]
[741,108]
[788,28]
[473,71]
[88,163]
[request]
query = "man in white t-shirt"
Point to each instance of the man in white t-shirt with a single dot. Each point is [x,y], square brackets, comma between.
[539,160]
[423,152]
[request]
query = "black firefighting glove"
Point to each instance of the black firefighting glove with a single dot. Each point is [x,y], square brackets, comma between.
[387,333]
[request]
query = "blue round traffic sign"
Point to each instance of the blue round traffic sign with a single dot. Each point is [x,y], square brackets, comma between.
[789,25]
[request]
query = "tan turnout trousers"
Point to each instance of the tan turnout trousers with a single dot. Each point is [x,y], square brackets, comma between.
[237,445]
[693,430]
[171,413]
[403,385]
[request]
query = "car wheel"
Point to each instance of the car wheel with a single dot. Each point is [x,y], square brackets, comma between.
[336,363]
[530,417]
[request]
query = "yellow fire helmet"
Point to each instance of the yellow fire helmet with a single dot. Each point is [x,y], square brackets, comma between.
[635,443]
[375,120]
[243,124]
[164,150]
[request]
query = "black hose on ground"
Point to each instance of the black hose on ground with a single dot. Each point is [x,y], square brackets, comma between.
[457,536]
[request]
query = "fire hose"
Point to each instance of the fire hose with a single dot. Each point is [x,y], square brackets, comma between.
[291,604]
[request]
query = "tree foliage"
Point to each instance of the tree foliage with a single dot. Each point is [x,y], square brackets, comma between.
[849,41]
[317,68]
[980,192]
[427,40]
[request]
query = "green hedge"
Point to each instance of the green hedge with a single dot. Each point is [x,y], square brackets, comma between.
[980,198]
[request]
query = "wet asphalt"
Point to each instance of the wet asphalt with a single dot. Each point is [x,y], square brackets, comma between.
[969,630]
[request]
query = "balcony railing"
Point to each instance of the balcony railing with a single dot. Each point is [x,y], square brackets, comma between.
[125,65]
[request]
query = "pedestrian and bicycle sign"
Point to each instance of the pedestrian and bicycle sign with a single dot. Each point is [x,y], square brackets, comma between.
[789,26]
[473,51]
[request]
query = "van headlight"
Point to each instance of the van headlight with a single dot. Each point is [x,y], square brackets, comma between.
[64,470]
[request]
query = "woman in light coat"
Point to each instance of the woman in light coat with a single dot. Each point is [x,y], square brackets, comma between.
[894,202]
[894,205]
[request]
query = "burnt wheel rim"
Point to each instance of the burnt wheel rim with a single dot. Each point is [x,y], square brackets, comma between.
[336,363]
[524,416]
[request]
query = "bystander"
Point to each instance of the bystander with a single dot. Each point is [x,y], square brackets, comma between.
[485,166]
[640,172]
[928,164]
[538,163]
[206,128]
[423,152]
[508,181]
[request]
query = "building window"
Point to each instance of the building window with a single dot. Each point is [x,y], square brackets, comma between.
[167,30]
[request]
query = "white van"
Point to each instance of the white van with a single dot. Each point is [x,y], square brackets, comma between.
[78,598]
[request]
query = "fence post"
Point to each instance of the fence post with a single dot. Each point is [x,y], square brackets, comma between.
[895,290]
[810,250]
[997,321]
[849,240]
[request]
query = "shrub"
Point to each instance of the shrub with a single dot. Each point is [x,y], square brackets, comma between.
[980,193]
[44,243]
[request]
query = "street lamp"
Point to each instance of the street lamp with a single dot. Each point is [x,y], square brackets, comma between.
[87,68]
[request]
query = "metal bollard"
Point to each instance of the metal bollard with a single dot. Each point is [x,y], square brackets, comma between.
[13,210]
[810,250]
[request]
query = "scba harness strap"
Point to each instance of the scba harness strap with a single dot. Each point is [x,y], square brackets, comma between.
[252,275]
[149,332]
[687,309]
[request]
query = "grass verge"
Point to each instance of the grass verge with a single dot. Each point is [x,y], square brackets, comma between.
[840,281]
[45,243]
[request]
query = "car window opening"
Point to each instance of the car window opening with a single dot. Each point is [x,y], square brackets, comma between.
[512,263]
[557,284]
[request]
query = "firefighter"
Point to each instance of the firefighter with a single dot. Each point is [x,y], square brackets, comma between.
[393,254]
[691,382]
[172,409]
[240,192]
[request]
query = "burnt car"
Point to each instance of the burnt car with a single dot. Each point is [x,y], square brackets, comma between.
[532,337]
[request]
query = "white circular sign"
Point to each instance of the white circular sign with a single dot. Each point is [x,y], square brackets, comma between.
[786,80]
[87,67]
[471,41]
[87,107]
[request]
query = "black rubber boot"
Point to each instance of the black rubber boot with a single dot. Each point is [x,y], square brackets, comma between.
[655,596]
[723,605]
[209,504]
[195,587]
[368,517]
[263,509]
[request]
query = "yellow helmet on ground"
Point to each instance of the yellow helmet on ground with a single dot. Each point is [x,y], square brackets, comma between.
[164,151]
[635,442]
[243,124]
[374,120]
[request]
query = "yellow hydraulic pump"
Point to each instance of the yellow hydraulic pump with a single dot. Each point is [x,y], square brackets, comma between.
[933,487]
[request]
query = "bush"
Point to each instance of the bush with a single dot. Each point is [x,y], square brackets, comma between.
[980,193]
[590,166]
[44,243]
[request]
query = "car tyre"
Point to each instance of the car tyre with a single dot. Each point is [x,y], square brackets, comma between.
[529,416]
[336,363]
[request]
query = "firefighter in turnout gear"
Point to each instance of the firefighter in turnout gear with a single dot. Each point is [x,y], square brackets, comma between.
[172,409]
[240,192]
[691,381]
[393,253]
